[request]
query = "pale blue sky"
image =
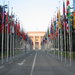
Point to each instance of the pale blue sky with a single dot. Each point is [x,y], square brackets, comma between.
[34,15]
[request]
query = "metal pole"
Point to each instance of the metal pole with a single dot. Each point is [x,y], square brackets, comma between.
[2,44]
[7,45]
[61,41]
[58,44]
[7,36]
[3,9]
[10,44]
[13,45]
[65,41]
[70,41]
[54,43]
[5,39]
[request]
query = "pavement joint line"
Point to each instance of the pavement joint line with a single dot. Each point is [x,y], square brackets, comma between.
[21,63]
[1,67]
[33,65]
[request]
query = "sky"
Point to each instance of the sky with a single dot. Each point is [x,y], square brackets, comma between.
[34,15]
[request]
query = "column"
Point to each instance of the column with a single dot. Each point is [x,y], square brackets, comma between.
[39,42]
[33,42]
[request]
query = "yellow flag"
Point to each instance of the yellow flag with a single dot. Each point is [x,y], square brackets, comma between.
[59,22]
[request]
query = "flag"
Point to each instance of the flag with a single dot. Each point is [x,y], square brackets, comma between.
[64,16]
[68,9]
[6,20]
[55,24]
[12,23]
[63,8]
[68,15]
[0,18]
[48,32]
[74,20]
[0,21]
[3,12]
[67,2]
[15,27]
[52,31]
[58,19]
[74,14]
[57,31]
[9,27]
[74,4]
[51,28]
[18,29]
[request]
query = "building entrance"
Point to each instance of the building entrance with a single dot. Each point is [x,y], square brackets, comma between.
[36,45]
[36,38]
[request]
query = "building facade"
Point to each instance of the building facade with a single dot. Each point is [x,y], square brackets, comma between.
[36,38]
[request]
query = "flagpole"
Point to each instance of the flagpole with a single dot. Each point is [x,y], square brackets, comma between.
[64,24]
[58,44]
[5,38]
[11,38]
[65,40]
[2,44]
[70,29]
[13,45]
[3,8]
[7,45]
[54,36]
[8,35]
[61,43]
[70,40]
[10,43]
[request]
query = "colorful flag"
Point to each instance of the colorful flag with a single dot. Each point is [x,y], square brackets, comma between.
[51,28]
[0,18]
[54,24]
[59,22]
[74,20]
[0,21]
[74,14]
[3,12]
[68,9]
[74,4]
[57,31]
[18,29]
[48,32]
[9,27]
[15,27]
[6,19]
[64,16]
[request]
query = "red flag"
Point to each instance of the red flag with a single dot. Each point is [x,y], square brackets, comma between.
[64,11]
[8,27]
[6,18]
[3,12]
[2,19]
[67,2]
[57,31]
[68,8]
[18,29]
[0,22]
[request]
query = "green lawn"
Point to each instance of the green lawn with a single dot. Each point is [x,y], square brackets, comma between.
[16,52]
[63,53]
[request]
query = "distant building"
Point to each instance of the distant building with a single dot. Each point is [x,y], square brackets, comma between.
[36,38]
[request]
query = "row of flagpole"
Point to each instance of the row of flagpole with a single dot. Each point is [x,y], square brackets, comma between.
[63,31]
[11,34]
[6,37]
